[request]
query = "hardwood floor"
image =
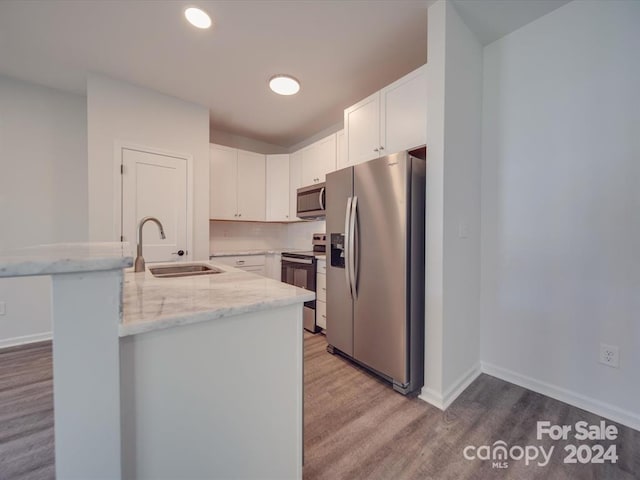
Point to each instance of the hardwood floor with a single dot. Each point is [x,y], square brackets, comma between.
[356,427]
[26,413]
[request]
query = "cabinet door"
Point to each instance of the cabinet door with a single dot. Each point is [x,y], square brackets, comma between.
[295,182]
[309,174]
[278,188]
[223,182]
[318,159]
[251,186]
[325,157]
[362,130]
[273,266]
[403,117]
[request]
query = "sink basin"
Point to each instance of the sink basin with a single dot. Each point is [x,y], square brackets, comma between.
[183,270]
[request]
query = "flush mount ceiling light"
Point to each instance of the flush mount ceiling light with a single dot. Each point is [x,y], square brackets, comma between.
[284,85]
[198,18]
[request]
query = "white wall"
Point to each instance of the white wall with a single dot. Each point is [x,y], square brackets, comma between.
[43,192]
[454,117]
[561,206]
[245,143]
[121,112]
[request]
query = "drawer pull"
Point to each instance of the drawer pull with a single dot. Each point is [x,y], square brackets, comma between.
[240,262]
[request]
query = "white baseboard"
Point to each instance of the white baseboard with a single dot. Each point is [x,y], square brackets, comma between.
[432,397]
[443,401]
[624,417]
[15,341]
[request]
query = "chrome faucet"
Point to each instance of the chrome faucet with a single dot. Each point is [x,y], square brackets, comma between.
[139,264]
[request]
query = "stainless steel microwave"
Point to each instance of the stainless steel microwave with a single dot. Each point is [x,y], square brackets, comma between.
[311,201]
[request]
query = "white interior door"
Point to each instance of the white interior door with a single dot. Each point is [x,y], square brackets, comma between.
[155,185]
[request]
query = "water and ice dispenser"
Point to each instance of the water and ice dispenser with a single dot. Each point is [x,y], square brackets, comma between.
[337,250]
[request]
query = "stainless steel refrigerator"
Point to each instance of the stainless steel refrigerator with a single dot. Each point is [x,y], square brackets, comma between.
[375,216]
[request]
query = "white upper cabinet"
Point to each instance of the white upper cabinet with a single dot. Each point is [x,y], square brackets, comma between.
[251,186]
[318,159]
[278,189]
[295,182]
[223,185]
[389,121]
[362,130]
[403,112]
[237,184]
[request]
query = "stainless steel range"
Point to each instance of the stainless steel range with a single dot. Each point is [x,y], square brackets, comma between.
[299,269]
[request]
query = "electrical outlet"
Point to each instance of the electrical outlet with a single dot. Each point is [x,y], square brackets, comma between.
[3,308]
[610,355]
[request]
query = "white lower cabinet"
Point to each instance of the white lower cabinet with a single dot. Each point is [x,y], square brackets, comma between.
[248,263]
[274,266]
[321,295]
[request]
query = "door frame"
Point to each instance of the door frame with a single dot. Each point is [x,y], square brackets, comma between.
[119,146]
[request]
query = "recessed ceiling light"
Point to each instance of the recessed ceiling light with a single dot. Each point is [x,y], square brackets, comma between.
[198,18]
[284,85]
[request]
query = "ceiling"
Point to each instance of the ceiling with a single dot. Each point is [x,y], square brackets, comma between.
[340,50]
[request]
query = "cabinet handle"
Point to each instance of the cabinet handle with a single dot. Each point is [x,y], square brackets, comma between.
[239,214]
[381,147]
[324,316]
[376,149]
[324,289]
[239,262]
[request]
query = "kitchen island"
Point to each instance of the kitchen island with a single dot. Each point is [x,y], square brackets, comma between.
[211,376]
[194,377]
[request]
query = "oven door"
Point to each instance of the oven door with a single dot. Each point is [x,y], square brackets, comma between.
[301,272]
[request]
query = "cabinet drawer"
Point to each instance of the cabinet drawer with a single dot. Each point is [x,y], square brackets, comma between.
[259,269]
[321,314]
[322,266]
[321,287]
[241,260]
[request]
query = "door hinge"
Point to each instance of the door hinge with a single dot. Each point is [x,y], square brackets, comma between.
[122,238]
[121,169]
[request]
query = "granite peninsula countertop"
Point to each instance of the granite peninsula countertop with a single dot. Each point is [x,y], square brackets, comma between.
[64,258]
[151,303]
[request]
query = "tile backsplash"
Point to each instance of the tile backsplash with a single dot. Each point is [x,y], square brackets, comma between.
[237,236]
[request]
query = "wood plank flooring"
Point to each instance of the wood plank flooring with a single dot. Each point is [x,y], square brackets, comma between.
[26,413]
[356,427]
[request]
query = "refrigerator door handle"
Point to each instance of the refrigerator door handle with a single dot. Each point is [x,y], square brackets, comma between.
[352,247]
[347,239]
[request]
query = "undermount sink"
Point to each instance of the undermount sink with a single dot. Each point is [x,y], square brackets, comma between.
[183,270]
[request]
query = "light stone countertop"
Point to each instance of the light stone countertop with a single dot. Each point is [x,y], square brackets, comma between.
[152,303]
[230,253]
[64,258]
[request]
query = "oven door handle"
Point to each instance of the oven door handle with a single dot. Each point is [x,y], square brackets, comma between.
[297,260]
